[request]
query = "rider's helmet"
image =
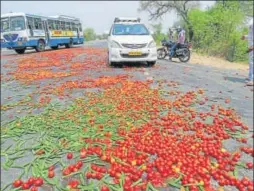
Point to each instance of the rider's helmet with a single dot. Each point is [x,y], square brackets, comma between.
[178,29]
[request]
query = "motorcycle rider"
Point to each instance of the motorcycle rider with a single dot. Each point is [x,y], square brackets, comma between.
[180,41]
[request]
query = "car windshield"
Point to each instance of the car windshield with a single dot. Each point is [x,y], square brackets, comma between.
[5,24]
[17,23]
[130,29]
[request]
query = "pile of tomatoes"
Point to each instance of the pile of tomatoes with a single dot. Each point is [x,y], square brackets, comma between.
[173,146]
[32,183]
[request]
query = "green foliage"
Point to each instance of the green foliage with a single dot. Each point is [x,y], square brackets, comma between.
[218,30]
[89,34]
[158,35]
[102,36]
[215,31]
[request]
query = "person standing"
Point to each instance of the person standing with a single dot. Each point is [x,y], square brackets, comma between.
[249,37]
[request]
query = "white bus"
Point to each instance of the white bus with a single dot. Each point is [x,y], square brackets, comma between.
[21,31]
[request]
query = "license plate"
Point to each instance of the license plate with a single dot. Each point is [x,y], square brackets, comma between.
[19,43]
[135,53]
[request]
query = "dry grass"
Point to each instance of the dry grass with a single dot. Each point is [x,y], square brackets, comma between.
[217,62]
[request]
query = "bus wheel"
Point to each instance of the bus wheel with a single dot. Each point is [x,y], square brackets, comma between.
[20,51]
[54,47]
[41,46]
[70,44]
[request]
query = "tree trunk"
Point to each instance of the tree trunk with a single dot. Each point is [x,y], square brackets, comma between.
[191,33]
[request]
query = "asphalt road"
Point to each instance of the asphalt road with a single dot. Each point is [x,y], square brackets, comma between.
[218,84]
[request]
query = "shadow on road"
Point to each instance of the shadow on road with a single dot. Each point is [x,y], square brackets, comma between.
[32,51]
[131,65]
[234,79]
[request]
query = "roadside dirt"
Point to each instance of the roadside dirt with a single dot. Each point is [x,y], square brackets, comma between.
[217,62]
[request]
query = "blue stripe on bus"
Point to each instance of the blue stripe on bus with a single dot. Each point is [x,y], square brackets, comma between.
[34,42]
[56,41]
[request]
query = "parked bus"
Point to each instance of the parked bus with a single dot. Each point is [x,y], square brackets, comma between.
[20,31]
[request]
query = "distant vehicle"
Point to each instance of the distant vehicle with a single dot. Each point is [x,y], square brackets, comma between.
[182,51]
[130,41]
[20,31]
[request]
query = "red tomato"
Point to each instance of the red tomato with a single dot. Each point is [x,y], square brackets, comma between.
[249,165]
[88,175]
[38,182]
[51,174]
[17,183]
[34,188]
[25,186]
[71,167]
[31,180]
[69,156]
[51,168]
[79,164]
[66,172]
[104,188]
[82,153]
[73,183]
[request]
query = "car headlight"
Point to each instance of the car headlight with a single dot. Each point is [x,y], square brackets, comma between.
[152,44]
[114,44]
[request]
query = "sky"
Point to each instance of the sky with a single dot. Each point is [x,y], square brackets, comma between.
[98,15]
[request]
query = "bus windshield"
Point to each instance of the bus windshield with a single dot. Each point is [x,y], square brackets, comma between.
[5,24]
[17,23]
[130,29]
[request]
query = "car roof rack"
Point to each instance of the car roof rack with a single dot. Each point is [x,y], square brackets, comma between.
[125,19]
[66,17]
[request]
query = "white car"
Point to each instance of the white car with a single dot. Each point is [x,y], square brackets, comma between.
[130,41]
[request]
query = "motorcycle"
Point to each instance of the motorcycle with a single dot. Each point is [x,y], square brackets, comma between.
[182,52]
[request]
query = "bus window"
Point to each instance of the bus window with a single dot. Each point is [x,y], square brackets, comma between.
[62,25]
[67,26]
[80,27]
[38,23]
[17,23]
[5,24]
[73,27]
[56,25]
[51,24]
[30,23]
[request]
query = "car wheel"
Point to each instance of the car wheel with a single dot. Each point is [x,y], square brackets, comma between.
[151,64]
[118,65]
[111,64]
[161,53]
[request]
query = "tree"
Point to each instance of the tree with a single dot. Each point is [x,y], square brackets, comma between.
[245,6]
[157,9]
[158,35]
[218,30]
[104,36]
[89,34]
